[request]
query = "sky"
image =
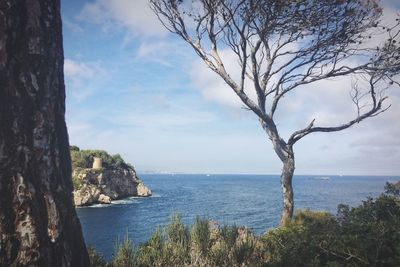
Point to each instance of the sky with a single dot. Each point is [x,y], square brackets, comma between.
[135,89]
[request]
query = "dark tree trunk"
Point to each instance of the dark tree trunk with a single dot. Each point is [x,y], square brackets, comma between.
[287,189]
[38,223]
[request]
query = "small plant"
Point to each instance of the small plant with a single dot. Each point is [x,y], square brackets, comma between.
[95,258]
[200,237]
[153,252]
[77,183]
[243,249]
[125,254]
[178,241]
[229,234]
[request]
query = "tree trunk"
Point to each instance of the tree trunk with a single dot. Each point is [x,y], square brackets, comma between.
[286,155]
[287,189]
[38,223]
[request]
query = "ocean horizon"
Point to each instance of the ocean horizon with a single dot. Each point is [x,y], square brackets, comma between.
[251,200]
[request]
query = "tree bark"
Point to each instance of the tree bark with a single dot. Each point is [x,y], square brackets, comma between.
[38,223]
[287,190]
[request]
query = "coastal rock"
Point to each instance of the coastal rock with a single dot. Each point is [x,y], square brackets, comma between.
[104,185]
[86,195]
[142,190]
[104,199]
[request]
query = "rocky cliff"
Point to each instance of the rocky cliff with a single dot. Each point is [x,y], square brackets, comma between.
[104,185]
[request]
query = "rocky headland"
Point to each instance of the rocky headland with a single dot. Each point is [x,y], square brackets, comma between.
[102,183]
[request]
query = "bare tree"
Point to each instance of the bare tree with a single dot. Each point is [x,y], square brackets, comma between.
[285,45]
[38,223]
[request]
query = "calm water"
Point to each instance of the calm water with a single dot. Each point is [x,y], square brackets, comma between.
[251,200]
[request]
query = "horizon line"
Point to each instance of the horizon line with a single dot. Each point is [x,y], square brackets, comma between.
[244,173]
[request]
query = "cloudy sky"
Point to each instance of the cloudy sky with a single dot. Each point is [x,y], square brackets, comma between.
[135,89]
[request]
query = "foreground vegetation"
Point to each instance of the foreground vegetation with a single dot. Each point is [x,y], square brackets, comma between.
[367,235]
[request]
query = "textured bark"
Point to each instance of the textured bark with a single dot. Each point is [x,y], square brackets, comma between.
[287,190]
[38,223]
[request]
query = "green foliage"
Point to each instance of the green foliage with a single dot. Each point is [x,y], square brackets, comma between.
[393,189]
[153,252]
[229,234]
[243,250]
[84,159]
[125,254]
[367,235]
[77,183]
[299,243]
[200,236]
[74,148]
[95,258]
[178,241]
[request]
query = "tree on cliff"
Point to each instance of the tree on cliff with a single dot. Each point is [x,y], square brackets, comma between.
[38,223]
[282,46]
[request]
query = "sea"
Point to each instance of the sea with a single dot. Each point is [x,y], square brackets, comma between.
[254,201]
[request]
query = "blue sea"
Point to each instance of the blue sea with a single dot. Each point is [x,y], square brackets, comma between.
[251,200]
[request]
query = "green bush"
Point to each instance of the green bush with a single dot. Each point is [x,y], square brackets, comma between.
[153,252]
[77,183]
[200,237]
[125,254]
[243,249]
[367,235]
[95,258]
[178,241]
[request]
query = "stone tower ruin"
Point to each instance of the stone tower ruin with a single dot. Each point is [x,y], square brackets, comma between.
[97,163]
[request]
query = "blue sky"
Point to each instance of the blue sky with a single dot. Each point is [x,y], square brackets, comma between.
[134,89]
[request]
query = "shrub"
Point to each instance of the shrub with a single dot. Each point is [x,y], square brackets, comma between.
[178,241]
[95,258]
[366,235]
[153,252]
[369,234]
[243,248]
[200,240]
[125,254]
[74,148]
[77,183]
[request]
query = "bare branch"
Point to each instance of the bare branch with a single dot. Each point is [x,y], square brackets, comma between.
[376,108]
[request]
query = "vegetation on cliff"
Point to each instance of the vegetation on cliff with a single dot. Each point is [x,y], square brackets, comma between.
[366,235]
[84,159]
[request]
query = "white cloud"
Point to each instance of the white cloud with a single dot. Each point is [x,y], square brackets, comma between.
[162,52]
[73,69]
[83,78]
[175,119]
[136,16]
[72,26]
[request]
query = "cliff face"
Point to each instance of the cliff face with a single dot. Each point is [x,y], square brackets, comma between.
[103,185]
